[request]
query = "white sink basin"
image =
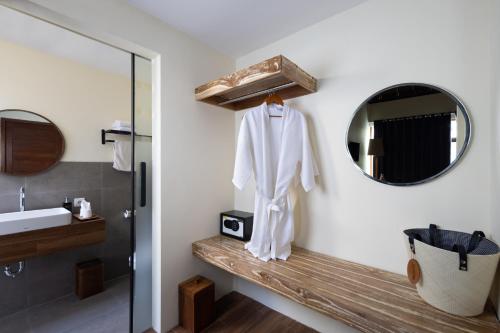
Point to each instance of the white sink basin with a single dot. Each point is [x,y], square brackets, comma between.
[11,223]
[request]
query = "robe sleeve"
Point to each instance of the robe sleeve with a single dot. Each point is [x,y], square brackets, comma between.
[309,168]
[243,162]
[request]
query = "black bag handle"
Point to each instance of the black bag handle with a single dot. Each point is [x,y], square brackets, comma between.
[462,255]
[474,240]
[433,230]
[460,249]
[411,239]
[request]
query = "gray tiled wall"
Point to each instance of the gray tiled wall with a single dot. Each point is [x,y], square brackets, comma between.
[49,277]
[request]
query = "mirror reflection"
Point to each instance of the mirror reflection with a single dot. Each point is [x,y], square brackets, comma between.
[29,143]
[408,134]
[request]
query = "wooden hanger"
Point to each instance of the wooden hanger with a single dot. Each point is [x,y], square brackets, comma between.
[274,98]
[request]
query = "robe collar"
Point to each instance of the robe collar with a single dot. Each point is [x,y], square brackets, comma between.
[276,192]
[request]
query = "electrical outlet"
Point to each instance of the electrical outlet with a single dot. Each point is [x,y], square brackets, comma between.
[77,202]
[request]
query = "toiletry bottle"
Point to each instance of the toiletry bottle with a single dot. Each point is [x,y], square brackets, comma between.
[68,205]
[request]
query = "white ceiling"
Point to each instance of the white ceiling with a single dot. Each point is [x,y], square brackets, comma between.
[236,27]
[30,32]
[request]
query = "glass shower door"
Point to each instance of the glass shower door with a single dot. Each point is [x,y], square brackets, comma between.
[141,226]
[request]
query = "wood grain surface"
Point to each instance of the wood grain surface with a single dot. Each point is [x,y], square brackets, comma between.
[196,303]
[363,297]
[237,313]
[23,245]
[267,74]
[29,147]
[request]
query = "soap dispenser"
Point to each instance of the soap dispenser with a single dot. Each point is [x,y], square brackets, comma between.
[68,205]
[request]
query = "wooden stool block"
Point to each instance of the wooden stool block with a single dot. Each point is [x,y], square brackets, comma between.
[89,278]
[196,303]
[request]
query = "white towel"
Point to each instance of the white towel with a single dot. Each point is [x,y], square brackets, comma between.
[85,210]
[122,160]
[121,125]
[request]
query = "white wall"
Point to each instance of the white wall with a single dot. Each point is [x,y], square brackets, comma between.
[193,143]
[79,99]
[354,54]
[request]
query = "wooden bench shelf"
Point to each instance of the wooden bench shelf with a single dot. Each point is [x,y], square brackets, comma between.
[24,245]
[247,87]
[366,298]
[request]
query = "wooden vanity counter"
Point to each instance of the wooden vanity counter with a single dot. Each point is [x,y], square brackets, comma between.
[363,297]
[23,245]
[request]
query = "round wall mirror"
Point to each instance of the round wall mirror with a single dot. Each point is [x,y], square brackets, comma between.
[408,134]
[29,143]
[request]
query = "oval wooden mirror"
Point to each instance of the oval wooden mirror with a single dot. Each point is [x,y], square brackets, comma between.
[29,143]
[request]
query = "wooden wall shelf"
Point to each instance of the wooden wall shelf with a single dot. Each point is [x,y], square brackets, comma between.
[247,87]
[363,297]
[24,245]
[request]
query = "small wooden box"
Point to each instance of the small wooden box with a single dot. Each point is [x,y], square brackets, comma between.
[196,303]
[89,278]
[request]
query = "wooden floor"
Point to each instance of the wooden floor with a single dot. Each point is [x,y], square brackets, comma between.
[366,298]
[237,313]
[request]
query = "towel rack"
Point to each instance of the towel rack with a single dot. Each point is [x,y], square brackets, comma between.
[117,132]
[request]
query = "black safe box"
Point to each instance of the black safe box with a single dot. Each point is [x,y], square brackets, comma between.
[236,224]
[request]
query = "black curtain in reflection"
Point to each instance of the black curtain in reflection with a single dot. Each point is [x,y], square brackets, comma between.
[415,148]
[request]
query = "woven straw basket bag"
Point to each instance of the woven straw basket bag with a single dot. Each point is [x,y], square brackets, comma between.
[456,269]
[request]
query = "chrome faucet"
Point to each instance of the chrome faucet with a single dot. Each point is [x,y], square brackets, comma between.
[22,199]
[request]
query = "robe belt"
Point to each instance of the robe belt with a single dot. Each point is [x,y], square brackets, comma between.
[275,204]
[273,207]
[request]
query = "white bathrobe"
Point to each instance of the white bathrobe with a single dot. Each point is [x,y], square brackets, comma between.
[278,152]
